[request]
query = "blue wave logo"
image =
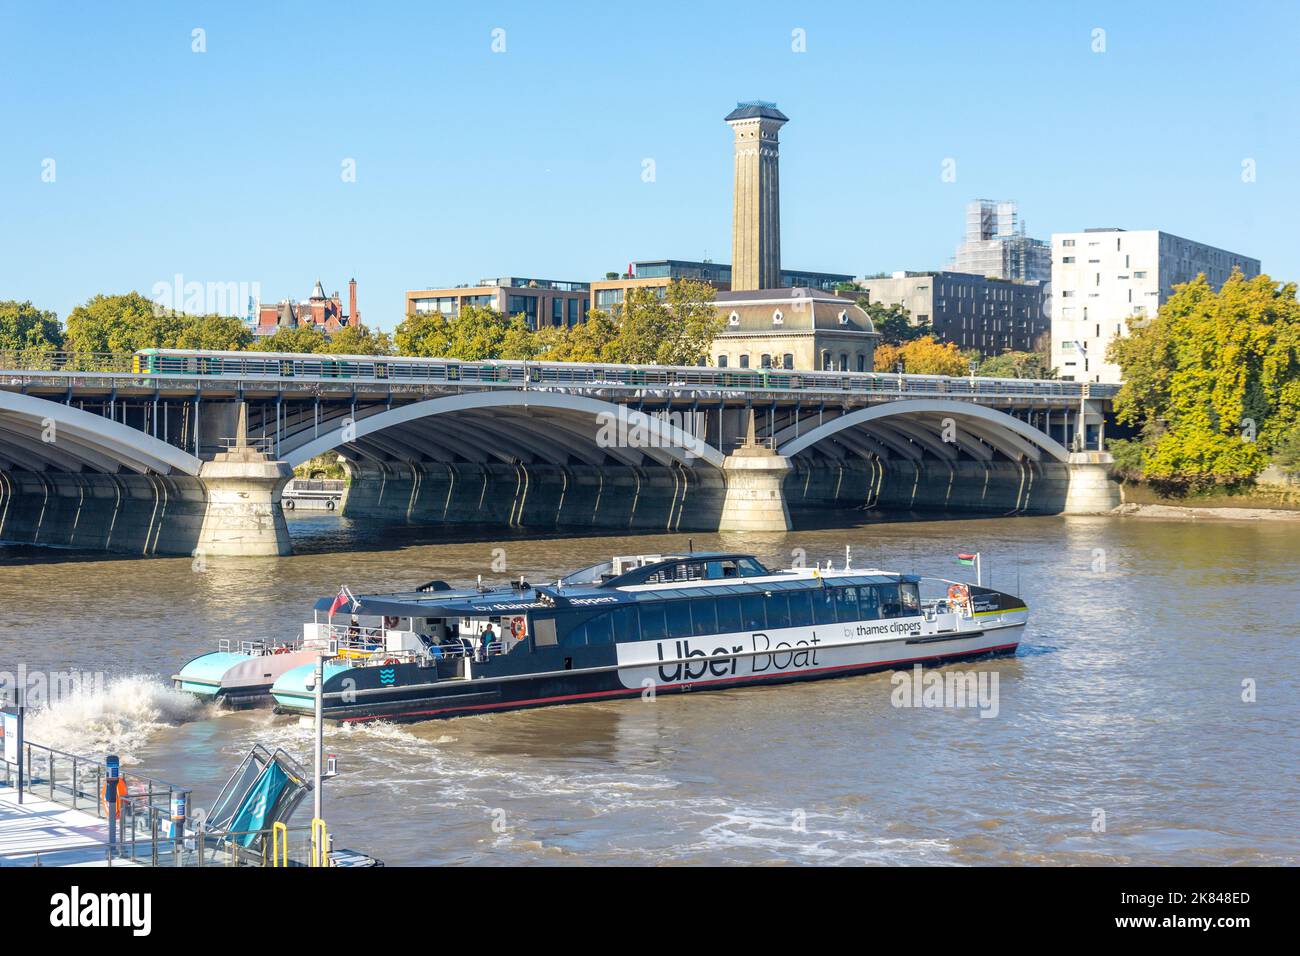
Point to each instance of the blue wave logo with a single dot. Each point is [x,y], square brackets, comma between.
[386,676]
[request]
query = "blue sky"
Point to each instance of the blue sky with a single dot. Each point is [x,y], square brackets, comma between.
[225,166]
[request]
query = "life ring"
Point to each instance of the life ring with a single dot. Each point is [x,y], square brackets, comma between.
[958,594]
[288,504]
[282,649]
[121,795]
[517,628]
[390,623]
[389,661]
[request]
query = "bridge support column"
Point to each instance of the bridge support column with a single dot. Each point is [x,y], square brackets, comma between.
[243,517]
[1092,489]
[754,498]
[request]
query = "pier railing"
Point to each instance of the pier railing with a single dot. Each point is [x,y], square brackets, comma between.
[146,833]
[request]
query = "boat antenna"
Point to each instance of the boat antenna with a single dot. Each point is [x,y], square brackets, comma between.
[690,545]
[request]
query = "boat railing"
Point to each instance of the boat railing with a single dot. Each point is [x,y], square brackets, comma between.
[258,648]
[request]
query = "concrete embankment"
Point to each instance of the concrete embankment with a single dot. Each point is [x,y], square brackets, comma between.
[1194,513]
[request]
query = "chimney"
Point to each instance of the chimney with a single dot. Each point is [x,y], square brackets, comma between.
[352,302]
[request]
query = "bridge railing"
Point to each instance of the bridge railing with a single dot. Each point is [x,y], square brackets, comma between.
[39,360]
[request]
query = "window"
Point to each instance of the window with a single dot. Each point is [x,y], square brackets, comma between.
[778,610]
[778,317]
[733,319]
[573,311]
[844,361]
[765,361]
[557,311]
[704,616]
[744,361]
[677,615]
[846,605]
[1067,260]
[1067,242]
[653,626]
[823,603]
[753,612]
[623,623]
[826,360]
[787,361]
[868,603]
[722,361]
[862,362]
[729,619]
[801,613]
[890,605]
[911,595]
[543,632]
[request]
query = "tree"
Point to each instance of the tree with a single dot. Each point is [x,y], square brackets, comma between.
[923,356]
[121,323]
[423,333]
[595,340]
[1016,365]
[359,340]
[25,328]
[224,333]
[1213,380]
[299,338]
[893,321]
[676,328]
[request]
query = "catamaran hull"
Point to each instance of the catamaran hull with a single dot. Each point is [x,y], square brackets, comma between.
[235,679]
[671,666]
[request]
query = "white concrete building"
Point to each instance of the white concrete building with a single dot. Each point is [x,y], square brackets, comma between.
[1101,277]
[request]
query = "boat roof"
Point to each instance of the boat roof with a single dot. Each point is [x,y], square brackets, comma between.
[472,602]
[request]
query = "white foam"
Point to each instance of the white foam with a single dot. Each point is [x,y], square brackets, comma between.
[118,717]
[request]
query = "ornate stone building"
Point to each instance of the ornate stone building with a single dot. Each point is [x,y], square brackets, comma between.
[800,329]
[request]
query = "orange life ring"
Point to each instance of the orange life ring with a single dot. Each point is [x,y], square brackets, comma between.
[282,649]
[958,594]
[391,660]
[516,627]
[121,794]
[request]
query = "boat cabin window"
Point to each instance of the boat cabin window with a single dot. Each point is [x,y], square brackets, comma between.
[846,605]
[653,627]
[778,610]
[911,597]
[890,603]
[544,632]
[801,613]
[868,602]
[824,606]
[678,618]
[729,620]
[753,611]
[733,568]
[704,617]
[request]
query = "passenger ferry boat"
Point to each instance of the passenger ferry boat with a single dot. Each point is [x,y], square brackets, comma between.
[674,623]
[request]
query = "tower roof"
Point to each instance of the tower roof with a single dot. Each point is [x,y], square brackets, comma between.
[318,292]
[756,109]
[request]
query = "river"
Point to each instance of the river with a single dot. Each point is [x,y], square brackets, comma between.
[1151,715]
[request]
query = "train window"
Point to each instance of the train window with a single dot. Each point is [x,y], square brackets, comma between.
[778,611]
[753,611]
[653,626]
[801,614]
[823,606]
[729,619]
[677,615]
[704,616]
[846,605]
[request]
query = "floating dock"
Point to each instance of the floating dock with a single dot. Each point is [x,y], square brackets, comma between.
[39,832]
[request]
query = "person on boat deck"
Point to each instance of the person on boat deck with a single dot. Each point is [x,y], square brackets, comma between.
[486,638]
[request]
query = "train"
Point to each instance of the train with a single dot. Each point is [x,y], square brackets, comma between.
[393,368]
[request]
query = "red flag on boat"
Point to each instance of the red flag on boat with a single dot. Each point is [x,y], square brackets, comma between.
[344,597]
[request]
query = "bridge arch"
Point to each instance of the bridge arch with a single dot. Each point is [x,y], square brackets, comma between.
[543,426]
[82,441]
[977,427]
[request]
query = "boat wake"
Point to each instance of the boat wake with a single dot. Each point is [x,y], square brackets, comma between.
[117,717]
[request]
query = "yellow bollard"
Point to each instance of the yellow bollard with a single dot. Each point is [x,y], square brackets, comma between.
[320,854]
[279,845]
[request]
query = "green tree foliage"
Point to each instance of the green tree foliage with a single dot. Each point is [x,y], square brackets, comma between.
[212,332]
[1213,380]
[25,328]
[1016,365]
[120,323]
[675,329]
[893,322]
[301,338]
[359,340]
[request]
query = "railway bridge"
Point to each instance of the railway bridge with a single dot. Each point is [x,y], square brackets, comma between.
[188,452]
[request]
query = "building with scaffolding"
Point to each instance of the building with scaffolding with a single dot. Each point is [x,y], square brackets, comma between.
[996,245]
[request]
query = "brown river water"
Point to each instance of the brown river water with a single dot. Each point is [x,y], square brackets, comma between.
[1120,733]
